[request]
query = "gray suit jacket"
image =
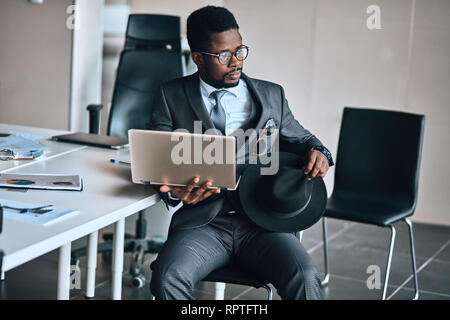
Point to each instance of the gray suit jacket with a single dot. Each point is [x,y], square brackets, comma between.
[179,103]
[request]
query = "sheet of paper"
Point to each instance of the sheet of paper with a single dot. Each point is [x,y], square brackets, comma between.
[45,219]
[41,181]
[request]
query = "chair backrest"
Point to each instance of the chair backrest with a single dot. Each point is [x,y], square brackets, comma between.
[151,56]
[153,31]
[379,155]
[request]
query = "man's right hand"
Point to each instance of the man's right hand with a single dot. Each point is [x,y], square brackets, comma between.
[189,194]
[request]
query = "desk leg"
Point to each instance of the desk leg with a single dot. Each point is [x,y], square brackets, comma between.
[117,268]
[63,292]
[91,264]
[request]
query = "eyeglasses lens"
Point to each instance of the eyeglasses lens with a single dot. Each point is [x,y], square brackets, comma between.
[241,54]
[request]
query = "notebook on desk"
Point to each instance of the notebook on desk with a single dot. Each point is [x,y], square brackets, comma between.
[93,140]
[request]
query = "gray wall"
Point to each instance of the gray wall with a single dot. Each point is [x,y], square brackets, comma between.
[50,72]
[35,63]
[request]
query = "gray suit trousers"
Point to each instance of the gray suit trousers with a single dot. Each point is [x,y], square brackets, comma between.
[189,255]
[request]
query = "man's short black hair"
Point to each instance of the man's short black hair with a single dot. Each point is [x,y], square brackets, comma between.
[205,20]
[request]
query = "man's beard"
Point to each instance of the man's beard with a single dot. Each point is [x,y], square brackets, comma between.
[218,84]
[231,85]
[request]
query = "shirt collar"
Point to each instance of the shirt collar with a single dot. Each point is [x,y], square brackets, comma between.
[237,91]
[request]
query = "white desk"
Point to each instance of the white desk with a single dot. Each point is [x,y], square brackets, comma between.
[108,197]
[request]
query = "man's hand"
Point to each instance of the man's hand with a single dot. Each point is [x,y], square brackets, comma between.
[316,165]
[188,194]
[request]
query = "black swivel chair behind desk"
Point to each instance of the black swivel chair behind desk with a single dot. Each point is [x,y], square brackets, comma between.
[152,55]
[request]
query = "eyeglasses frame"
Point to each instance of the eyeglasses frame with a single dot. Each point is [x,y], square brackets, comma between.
[232,54]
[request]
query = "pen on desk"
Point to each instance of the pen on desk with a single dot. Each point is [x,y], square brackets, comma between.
[120,161]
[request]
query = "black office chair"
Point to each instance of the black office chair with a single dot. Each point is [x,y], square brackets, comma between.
[151,56]
[377,174]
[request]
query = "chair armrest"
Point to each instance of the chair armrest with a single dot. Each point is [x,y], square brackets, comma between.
[94,117]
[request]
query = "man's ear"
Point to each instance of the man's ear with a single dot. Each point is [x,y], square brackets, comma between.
[197,57]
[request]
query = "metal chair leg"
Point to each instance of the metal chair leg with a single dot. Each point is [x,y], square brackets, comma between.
[219,292]
[388,268]
[325,253]
[413,258]
[269,291]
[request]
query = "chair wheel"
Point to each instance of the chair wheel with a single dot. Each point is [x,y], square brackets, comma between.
[138,281]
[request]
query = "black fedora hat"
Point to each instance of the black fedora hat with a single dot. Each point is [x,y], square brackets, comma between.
[283,202]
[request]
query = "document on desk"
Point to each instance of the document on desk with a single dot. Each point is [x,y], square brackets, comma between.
[15,210]
[21,145]
[41,181]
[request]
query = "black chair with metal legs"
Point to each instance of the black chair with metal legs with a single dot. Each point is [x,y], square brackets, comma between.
[377,174]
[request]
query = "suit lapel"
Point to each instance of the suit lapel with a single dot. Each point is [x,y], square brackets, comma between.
[193,94]
[259,102]
[192,88]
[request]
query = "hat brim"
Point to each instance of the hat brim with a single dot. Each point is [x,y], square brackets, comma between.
[275,221]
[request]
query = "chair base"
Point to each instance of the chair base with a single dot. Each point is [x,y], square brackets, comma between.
[138,246]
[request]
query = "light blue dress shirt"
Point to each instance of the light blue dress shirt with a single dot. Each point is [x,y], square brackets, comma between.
[237,103]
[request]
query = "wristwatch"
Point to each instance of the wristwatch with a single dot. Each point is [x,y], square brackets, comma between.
[326,152]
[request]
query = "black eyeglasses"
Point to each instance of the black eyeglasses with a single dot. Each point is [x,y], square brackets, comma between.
[224,57]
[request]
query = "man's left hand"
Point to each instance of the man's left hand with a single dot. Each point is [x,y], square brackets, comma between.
[316,165]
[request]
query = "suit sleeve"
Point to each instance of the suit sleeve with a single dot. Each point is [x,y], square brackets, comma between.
[160,117]
[293,137]
[161,120]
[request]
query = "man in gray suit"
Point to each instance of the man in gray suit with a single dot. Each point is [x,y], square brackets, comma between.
[210,230]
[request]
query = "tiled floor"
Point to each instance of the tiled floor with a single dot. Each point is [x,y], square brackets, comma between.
[352,247]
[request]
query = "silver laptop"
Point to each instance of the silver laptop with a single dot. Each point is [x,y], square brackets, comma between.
[175,158]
